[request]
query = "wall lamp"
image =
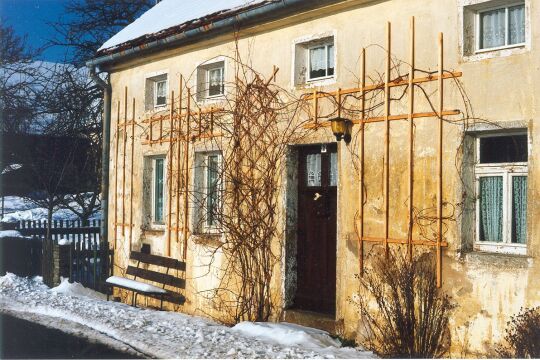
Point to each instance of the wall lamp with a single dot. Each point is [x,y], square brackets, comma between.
[341,128]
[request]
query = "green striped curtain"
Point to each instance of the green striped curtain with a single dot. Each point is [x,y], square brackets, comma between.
[491,208]
[519,209]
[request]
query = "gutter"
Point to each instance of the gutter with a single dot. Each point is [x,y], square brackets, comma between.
[258,15]
[106,139]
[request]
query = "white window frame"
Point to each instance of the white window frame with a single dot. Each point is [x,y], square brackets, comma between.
[153,191]
[202,213]
[156,105]
[326,45]
[507,171]
[207,82]
[478,30]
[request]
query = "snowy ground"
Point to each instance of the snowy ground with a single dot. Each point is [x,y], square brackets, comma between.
[80,311]
[17,208]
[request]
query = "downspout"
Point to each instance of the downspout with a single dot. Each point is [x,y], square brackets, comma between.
[106,138]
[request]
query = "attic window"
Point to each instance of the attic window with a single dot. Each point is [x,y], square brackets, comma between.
[211,80]
[156,92]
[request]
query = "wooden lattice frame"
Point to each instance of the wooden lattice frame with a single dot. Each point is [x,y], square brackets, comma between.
[181,130]
[410,116]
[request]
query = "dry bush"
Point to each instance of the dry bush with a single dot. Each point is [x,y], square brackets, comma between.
[403,313]
[522,337]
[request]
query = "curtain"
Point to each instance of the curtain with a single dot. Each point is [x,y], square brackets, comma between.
[330,60]
[492,25]
[516,24]
[519,209]
[491,208]
[317,59]
[313,170]
[333,169]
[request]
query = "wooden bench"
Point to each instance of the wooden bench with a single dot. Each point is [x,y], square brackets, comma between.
[164,279]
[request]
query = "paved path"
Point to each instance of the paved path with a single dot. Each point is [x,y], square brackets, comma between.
[25,339]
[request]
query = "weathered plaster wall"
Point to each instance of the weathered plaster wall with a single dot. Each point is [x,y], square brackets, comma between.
[501,88]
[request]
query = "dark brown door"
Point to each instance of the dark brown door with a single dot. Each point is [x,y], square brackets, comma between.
[316,232]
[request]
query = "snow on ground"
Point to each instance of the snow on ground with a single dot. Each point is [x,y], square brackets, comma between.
[76,289]
[10,233]
[161,334]
[17,209]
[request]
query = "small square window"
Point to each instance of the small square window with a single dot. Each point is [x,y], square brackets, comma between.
[314,60]
[211,80]
[501,27]
[156,92]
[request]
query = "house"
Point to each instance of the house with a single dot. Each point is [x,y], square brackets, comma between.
[453,170]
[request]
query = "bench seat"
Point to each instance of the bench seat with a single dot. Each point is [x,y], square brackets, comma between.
[135,285]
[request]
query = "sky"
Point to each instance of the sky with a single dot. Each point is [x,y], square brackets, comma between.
[30,17]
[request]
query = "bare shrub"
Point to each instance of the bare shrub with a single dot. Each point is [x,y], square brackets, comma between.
[403,313]
[522,336]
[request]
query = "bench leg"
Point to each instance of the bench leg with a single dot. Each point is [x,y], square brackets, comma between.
[161,304]
[133,298]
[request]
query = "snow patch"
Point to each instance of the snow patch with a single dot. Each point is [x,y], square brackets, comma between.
[10,233]
[162,334]
[76,289]
[134,284]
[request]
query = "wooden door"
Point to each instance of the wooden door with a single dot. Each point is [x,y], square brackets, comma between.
[316,230]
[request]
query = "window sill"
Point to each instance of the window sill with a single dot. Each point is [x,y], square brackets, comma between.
[503,261]
[209,239]
[319,82]
[493,53]
[501,248]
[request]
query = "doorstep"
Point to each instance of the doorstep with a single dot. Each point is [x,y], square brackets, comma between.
[312,319]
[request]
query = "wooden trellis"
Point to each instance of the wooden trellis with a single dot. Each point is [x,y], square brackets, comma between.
[182,130]
[386,86]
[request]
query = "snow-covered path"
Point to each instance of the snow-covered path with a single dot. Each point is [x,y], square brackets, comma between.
[158,333]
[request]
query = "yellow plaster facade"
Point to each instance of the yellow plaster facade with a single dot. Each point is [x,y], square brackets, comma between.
[501,87]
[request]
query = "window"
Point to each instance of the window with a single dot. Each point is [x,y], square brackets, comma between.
[208,193]
[501,27]
[158,191]
[160,96]
[156,92]
[314,60]
[211,80]
[321,61]
[501,184]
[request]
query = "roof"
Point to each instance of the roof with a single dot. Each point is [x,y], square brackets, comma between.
[170,17]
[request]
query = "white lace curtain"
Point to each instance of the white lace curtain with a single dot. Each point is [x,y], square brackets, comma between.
[516,24]
[317,58]
[493,27]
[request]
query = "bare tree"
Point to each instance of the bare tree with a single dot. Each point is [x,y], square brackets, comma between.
[92,22]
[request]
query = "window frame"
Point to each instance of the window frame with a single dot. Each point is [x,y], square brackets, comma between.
[478,32]
[507,171]
[202,225]
[315,45]
[154,160]
[156,82]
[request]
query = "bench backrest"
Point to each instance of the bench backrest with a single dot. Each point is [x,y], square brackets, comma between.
[164,278]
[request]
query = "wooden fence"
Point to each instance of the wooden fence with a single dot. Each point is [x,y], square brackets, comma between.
[77,245]
[68,230]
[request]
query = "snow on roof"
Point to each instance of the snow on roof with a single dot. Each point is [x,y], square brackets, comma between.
[172,13]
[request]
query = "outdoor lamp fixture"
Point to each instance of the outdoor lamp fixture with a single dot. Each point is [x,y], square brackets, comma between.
[341,128]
